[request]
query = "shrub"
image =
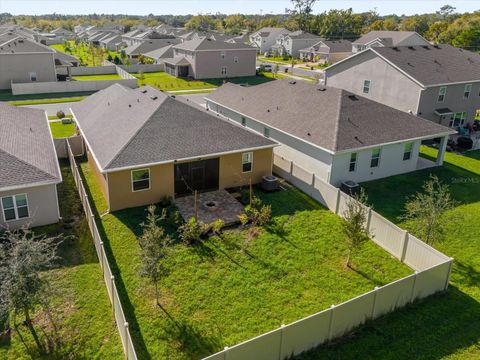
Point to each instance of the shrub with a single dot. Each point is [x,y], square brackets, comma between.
[60,114]
[192,231]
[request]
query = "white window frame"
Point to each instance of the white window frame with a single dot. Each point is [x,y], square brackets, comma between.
[243,121]
[466,93]
[250,155]
[33,75]
[367,87]
[149,179]
[408,149]
[15,207]
[224,70]
[442,92]
[463,116]
[235,59]
[222,54]
[266,132]
[353,161]
[376,157]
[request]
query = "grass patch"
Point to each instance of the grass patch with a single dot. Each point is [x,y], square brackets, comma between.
[6,95]
[230,289]
[277,60]
[444,326]
[55,117]
[97,77]
[167,82]
[80,305]
[47,101]
[60,130]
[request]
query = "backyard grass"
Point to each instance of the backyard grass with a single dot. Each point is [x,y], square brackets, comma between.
[60,130]
[97,77]
[230,289]
[47,101]
[55,117]
[84,53]
[6,95]
[276,60]
[444,326]
[166,82]
[80,306]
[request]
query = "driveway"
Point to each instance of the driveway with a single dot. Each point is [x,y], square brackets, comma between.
[53,108]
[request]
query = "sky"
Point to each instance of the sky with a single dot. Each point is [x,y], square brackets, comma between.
[182,7]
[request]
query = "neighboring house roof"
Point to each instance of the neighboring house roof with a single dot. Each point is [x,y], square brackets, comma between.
[162,53]
[27,154]
[270,31]
[204,43]
[21,45]
[179,60]
[66,57]
[299,34]
[433,65]
[115,38]
[149,45]
[391,38]
[331,118]
[127,128]
[330,46]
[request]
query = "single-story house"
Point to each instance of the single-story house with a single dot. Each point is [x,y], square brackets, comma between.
[331,132]
[143,144]
[327,51]
[205,58]
[29,169]
[380,38]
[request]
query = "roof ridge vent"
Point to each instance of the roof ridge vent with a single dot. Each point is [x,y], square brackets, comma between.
[353,97]
[395,48]
[426,47]
[322,89]
[436,46]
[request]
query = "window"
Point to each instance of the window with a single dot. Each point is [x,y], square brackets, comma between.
[140,179]
[441,94]
[235,59]
[458,119]
[244,121]
[224,70]
[15,207]
[247,162]
[266,132]
[222,54]
[467,91]
[33,76]
[366,86]
[375,158]
[407,152]
[353,162]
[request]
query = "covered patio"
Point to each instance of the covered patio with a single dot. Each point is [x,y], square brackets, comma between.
[210,206]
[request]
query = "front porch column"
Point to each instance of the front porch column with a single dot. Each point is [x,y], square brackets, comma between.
[441,151]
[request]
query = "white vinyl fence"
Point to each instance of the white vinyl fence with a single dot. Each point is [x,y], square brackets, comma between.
[108,277]
[432,272]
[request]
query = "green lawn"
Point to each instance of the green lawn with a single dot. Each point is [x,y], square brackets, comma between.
[6,95]
[87,55]
[60,130]
[276,60]
[47,101]
[55,117]
[97,77]
[166,82]
[80,306]
[446,326]
[230,289]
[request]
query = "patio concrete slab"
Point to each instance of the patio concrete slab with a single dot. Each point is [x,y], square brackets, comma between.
[210,207]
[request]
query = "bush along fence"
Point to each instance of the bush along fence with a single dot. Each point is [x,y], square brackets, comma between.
[108,277]
[432,272]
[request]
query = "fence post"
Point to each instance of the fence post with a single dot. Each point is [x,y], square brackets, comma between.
[225,351]
[332,310]
[112,284]
[369,218]
[374,302]
[126,338]
[448,274]
[337,205]
[413,287]
[281,342]
[405,245]
[102,254]
[291,167]
[92,218]
[313,180]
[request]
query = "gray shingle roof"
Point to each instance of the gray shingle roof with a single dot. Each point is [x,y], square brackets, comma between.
[17,44]
[149,45]
[27,154]
[162,53]
[432,65]
[204,43]
[154,131]
[331,46]
[333,119]
[392,38]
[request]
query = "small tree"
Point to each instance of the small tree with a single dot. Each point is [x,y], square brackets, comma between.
[154,244]
[425,210]
[354,224]
[23,257]
[141,77]
[275,70]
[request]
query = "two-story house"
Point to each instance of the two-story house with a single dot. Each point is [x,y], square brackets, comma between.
[437,82]
[205,58]
[290,44]
[379,38]
[265,38]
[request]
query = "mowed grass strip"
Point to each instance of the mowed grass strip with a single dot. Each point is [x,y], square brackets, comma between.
[60,130]
[233,288]
[444,326]
[79,305]
[97,77]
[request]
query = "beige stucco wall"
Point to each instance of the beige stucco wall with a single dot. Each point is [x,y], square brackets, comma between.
[102,182]
[17,68]
[162,181]
[42,207]
[231,168]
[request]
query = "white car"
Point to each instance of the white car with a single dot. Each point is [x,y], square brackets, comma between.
[265,67]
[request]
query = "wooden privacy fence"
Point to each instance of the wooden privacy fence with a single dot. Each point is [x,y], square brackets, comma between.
[109,278]
[432,272]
